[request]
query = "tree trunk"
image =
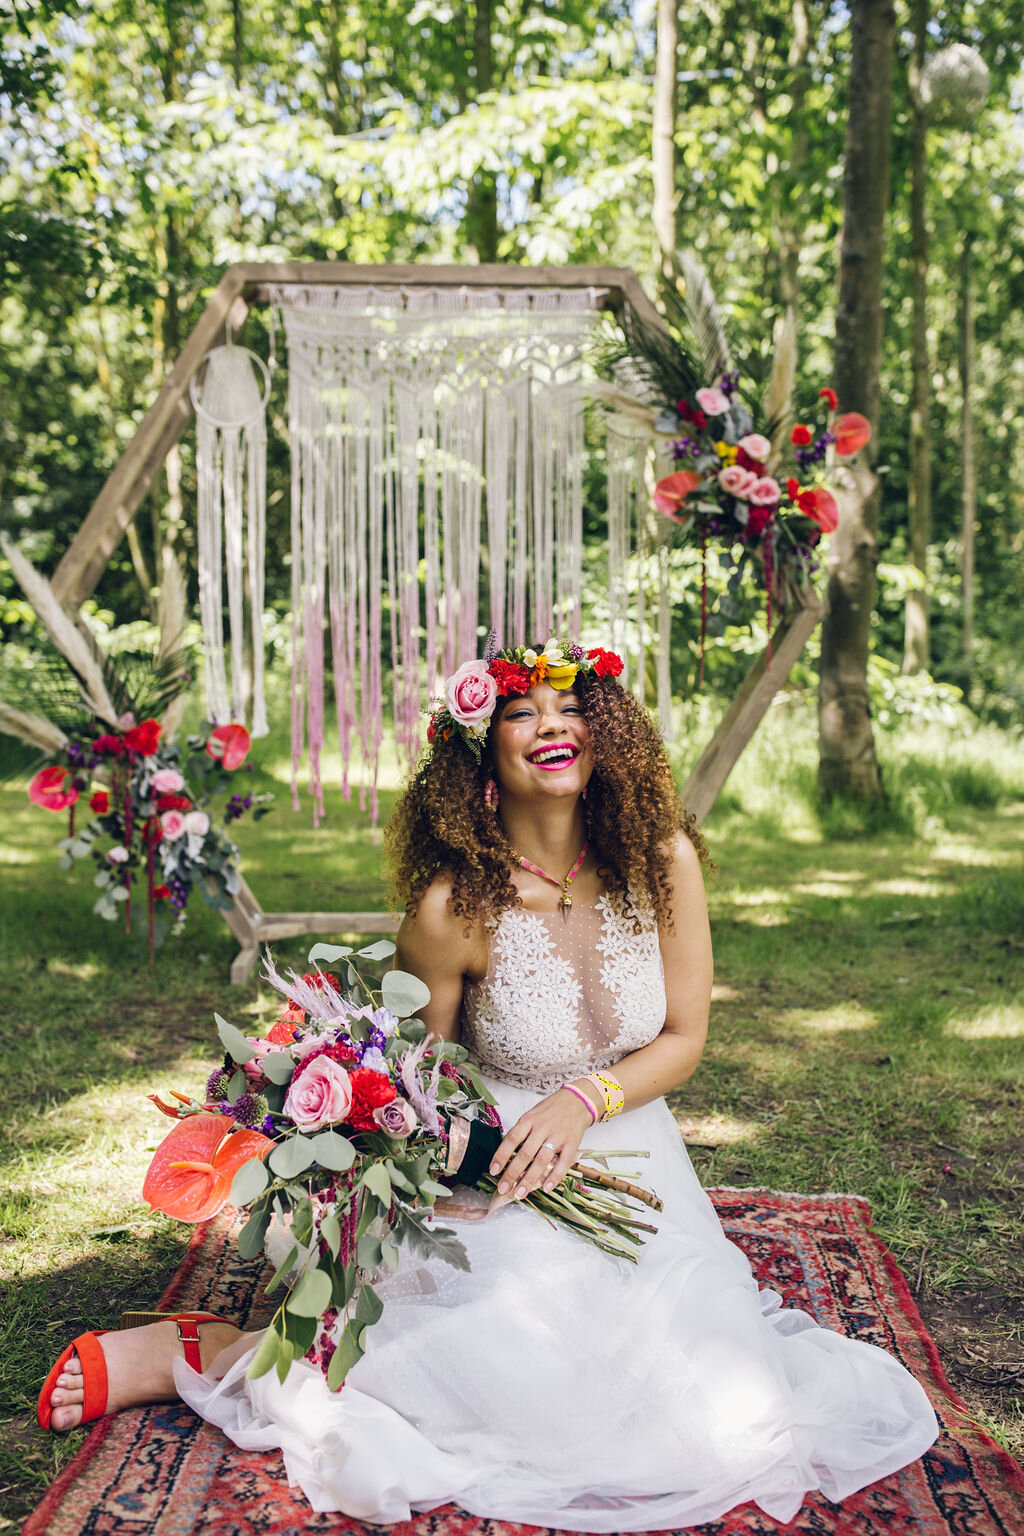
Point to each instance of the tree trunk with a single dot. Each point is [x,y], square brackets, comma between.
[916,657]
[663,145]
[967,484]
[847,762]
[481,222]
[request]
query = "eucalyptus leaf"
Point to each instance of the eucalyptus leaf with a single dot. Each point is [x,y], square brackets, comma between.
[238,1083]
[312,1294]
[330,1232]
[333,1151]
[347,1354]
[250,1180]
[233,1041]
[250,1239]
[65,861]
[292,1157]
[389,1254]
[328,952]
[379,951]
[369,1252]
[403,993]
[283,1270]
[378,1181]
[119,893]
[369,1307]
[278,1066]
[285,1356]
[265,1357]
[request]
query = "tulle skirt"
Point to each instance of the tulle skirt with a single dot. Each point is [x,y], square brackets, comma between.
[557,1386]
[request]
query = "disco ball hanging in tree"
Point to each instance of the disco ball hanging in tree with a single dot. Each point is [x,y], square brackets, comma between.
[955,86]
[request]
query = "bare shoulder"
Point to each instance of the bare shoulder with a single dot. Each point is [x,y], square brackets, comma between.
[684,867]
[433,933]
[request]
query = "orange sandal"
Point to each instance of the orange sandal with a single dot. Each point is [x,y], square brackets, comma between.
[94,1364]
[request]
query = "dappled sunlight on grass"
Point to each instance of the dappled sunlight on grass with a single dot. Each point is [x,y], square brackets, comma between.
[837,1019]
[716,1130]
[998,1021]
[906,886]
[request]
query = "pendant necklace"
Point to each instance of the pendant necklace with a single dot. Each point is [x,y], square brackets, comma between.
[563,885]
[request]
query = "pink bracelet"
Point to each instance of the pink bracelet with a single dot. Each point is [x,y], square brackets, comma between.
[583,1098]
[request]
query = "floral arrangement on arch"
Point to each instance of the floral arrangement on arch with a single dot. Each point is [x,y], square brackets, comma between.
[350,1125]
[473,690]
[149,819]
[756,493]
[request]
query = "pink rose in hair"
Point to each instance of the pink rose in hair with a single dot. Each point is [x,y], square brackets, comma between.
[471,693]
[736,480]
[397,1118]
[320,1095]
[714,401]
[765,492]
[756,446]
[167,781]
[172,824]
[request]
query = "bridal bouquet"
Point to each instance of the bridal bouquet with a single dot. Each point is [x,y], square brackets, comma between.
[344,1120]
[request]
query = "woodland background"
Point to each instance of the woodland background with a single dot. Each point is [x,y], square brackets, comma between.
[148,144]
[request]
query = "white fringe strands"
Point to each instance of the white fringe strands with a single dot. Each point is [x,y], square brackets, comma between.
[231,467]
[424,421]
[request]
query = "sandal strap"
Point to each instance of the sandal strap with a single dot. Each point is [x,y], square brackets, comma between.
[188,1333]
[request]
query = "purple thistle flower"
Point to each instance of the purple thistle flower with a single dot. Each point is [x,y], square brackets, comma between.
[216,1085]
[250,1110]
[576,653]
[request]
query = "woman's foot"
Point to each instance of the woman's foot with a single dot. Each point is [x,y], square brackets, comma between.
[139,1368]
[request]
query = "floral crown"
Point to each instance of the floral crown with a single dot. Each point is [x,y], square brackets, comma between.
[471,693]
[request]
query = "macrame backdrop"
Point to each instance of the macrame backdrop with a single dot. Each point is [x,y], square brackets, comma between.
[432,430]
[231,472]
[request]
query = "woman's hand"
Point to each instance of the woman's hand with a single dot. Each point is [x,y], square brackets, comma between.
[542,1145]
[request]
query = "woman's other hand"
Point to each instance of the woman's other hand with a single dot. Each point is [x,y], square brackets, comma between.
[542,1146]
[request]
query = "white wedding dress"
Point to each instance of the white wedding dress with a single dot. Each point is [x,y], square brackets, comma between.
[553,1384]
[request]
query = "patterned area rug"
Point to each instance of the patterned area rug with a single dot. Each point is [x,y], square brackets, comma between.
[162,1472]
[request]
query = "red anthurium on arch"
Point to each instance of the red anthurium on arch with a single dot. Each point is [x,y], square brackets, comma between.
[670,493]
[52,789]
[192,1168]
[821,505]
[230,745]
[852,431]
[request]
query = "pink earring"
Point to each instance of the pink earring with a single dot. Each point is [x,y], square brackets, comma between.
[585,791]
[491,796]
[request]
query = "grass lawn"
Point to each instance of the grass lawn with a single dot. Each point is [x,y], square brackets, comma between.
[867,1035]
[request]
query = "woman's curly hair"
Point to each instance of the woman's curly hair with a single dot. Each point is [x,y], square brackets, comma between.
[441,823]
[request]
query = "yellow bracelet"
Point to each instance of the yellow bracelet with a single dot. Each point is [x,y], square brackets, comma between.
[612,1092]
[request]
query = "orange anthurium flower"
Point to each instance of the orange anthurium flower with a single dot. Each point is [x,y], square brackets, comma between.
[230,745]
[192,1168]
[670,493]
[283,1032]
[852,432]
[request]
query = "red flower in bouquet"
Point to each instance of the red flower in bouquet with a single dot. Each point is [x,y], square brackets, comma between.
[853,431]
[53,789]
[829,396]
[801,436]
[322,979]
[161,892]
[111,746]
[369,1091]
[100,802]
[606,663]
[819,503]
[510,677]
[229,744]
[672,491]
[192,1169]
[144,738]
[172,803]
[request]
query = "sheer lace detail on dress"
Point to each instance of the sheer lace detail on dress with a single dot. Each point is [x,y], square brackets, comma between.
[563,996]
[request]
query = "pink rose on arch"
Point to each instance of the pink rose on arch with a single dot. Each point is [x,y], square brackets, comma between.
[197,823]
[117,855]
[765,492]
[714,401]
[172,824]
[167,781]
[756,446]
[471,693]
[736,480]
[397,1118]
[320,1095]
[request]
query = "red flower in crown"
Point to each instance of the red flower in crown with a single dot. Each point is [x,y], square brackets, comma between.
[143,738]
[606,663]
[510,677]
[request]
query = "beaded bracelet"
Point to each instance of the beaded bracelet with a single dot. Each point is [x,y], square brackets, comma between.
[583,1100]
[612,1092]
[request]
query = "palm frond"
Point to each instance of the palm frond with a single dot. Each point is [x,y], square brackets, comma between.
[146,684]
[702,317]
[656,364]
[72,644]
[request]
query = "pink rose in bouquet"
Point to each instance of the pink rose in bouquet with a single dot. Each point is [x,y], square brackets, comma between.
[765,492]
[167,781]
[197,823]
[397,1118]
[172,824]
[736,480]
[714,401]
[471,693]
[755,446]
[320,1095]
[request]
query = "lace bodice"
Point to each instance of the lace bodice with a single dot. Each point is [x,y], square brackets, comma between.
[564,996]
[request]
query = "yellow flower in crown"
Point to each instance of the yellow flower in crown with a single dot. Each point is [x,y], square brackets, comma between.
[562,675]
[726,453]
